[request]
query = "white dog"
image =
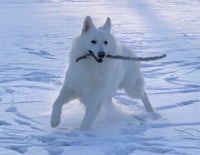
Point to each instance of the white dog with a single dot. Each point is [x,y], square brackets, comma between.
[95,80]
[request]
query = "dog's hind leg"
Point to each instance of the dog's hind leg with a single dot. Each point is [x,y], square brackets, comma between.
[152,114]
[136,90]
[65,96]
[147,103]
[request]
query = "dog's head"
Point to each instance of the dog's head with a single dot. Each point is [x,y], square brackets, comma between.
[98,41]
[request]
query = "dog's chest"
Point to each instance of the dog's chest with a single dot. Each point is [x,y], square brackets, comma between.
[94,78]
[91,80]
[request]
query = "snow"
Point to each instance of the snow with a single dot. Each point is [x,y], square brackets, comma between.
[34,43]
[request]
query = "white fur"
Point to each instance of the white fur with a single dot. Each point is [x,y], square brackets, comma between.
[96,83]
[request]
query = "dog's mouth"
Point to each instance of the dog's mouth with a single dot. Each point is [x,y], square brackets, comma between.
[98,59]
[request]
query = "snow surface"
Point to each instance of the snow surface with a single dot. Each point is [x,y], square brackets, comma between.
[34,42]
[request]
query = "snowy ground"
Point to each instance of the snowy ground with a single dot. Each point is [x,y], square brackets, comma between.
[34,43]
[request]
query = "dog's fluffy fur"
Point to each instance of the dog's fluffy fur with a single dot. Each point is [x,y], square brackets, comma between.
[95,83]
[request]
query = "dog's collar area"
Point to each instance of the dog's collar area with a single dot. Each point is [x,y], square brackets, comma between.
[100,60]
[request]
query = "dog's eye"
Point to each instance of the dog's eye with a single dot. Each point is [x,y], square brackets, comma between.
[93,41]
[105,42]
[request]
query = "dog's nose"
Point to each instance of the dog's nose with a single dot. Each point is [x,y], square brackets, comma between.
[101,54]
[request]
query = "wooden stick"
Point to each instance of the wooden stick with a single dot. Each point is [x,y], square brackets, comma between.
[122,57]
[136,58]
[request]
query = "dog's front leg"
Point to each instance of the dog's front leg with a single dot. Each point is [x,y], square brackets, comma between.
[91,112]
[65,96]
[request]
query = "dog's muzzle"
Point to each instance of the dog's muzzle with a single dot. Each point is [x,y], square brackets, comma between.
[101,54]
[100,57]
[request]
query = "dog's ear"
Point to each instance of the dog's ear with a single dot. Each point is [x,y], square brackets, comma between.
[107,25]
[87,24]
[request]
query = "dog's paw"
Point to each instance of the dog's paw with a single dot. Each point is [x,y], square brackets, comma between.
[84,127]
[153,115]
[55,120]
